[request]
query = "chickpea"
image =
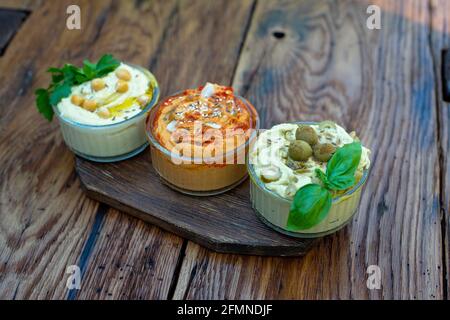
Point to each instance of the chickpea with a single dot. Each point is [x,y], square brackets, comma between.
[123,74]
[77,100]
[90,105]
[143,100]
[103,112]
[97,84]
[121,86]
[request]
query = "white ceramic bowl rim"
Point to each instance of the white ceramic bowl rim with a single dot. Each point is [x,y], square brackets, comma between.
[151,103]
[165,151]
[255,179]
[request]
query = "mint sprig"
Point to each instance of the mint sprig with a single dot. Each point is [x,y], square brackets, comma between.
[63,79]
[312,202]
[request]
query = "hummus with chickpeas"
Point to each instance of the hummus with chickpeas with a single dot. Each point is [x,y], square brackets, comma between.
[114,98]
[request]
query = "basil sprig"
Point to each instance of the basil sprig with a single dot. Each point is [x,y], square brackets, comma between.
[312,202]
[310,206]
[63,79]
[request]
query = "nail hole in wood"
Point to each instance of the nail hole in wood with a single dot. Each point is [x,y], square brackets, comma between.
[279,34]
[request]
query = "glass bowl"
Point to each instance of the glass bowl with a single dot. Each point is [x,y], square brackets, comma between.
[112,142]
[200,176]
[273,209]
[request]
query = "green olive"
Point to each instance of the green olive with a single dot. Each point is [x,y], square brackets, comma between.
[299,150]
[327,125]
[306,133]
[324,151]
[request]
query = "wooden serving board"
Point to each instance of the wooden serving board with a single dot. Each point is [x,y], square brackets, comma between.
[224,223]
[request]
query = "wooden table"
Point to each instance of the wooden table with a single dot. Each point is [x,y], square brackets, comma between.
[295,60]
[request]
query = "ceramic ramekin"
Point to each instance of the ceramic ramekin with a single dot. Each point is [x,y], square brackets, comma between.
[200,177]
[112,142]
[273,209]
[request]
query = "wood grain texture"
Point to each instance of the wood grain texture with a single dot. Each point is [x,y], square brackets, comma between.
[445,74]
[224,223]
[10,21]
[317,60]
[301,60]
[131,31]
[181,33]
[21,4]
[107,26]
[202,43]
[440,40]
[133,186]
[44,216]
[130,260]
[46,219]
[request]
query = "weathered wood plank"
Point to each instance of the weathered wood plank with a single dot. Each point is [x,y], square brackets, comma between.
[188,33]
[440,39]
[445,73]
[20,4]
[10,21]
[224,223]
[133,32]
[131,260]
[317,60]
[46,219]
[202,43]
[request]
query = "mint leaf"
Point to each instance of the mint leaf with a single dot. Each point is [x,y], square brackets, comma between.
[54,70]
[342,166]
[88,70]
[106,64]
[311,205]
[43,103]
[60,91]
[69,75]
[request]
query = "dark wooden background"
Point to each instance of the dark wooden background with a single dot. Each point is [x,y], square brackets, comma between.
[295,60]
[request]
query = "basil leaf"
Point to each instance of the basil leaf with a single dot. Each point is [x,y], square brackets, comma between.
[342,166]
[43,103]
[322,177]
[310,206]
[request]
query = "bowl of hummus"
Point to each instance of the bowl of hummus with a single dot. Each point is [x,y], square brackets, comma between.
[103,119]
[291,157]
[199,139]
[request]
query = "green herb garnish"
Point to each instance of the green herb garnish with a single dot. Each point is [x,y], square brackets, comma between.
[312,202]
[68,76]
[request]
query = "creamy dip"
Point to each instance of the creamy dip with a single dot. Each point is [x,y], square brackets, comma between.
[118,106]
[270,155]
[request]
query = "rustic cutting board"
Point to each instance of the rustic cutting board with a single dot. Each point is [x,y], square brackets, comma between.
[224,223]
